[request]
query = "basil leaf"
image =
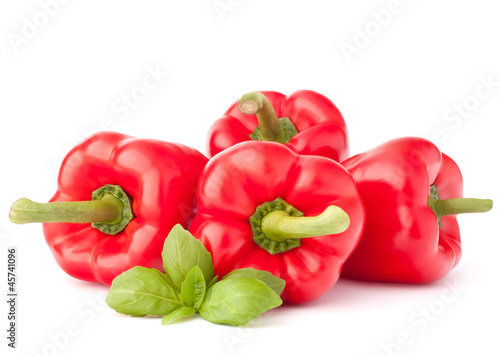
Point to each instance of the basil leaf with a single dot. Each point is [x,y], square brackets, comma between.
[193,288]
[212,282]
[236,301]
[142,291]
[169,280]
[176,314]
[273,282]
[181,252]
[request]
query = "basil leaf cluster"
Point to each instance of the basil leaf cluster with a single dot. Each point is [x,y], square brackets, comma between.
[189,286]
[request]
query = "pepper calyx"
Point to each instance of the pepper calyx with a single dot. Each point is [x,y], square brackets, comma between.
[114,227]
[260,238]
[286,126]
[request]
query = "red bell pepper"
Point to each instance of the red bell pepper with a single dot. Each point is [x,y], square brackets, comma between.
[262,206]
[305,121]
[140,190]
[411,193]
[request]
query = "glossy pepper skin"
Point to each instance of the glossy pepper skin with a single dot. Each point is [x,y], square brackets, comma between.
[239,180]
[160,178]
[403,239]
[320,125]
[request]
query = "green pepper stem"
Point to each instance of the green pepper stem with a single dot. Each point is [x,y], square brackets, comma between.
[106,210]
[255,102]
[279,226]
[443,207]
[109,211]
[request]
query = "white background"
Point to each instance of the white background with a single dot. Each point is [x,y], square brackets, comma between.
[418,71]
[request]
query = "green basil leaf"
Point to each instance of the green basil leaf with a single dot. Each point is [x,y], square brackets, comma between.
[273,282]
[193,288]
[181,252]
[178,313]
[142,291]
[236,301]
[212,282]
[169,280]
